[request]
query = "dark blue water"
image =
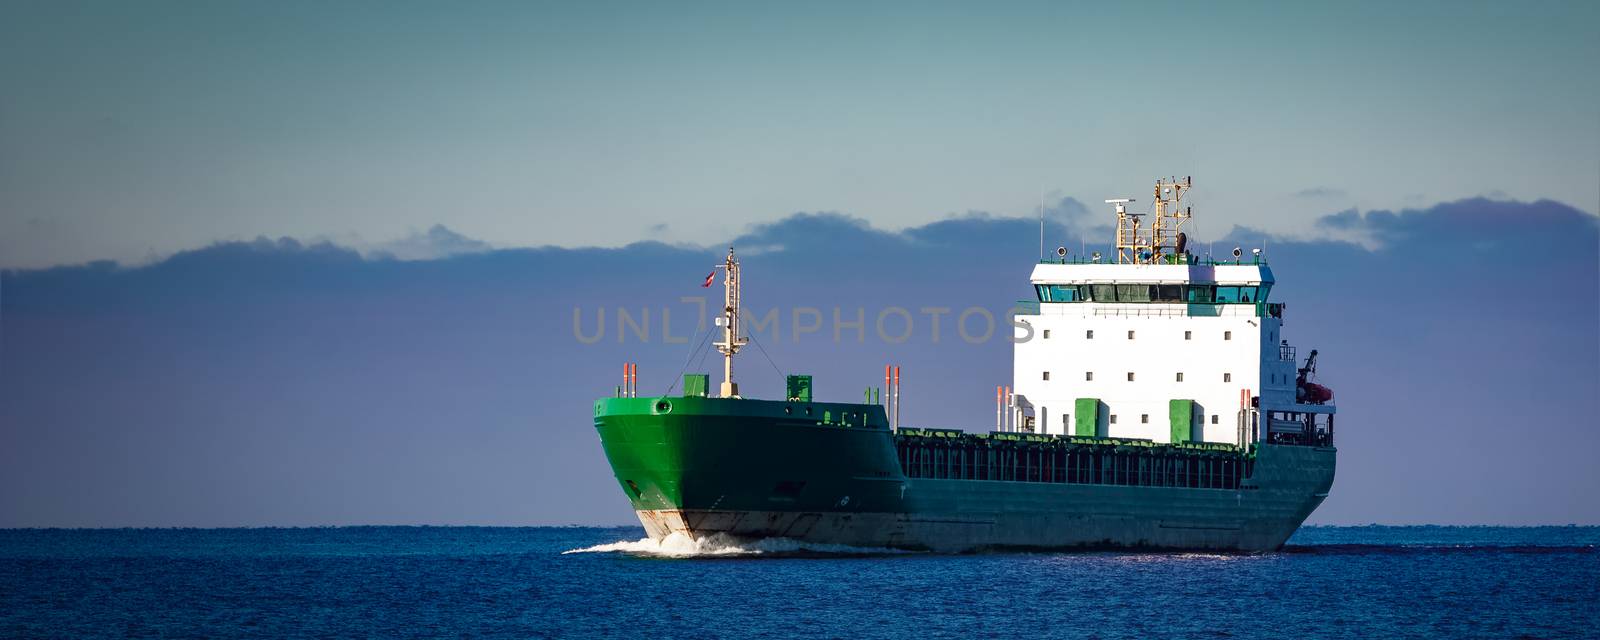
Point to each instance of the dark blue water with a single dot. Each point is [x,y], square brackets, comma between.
[518,583]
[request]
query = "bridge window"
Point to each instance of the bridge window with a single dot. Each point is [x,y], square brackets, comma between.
[1046,334]
[1088,376]
[1227,335]
[1240,294]
[1130,376]
[1180,376]
[1227,377]
[1061,292]
[1088,335]
[1047,375]
[1144,418]
[1213,418]
[1133,293]
[1193,293]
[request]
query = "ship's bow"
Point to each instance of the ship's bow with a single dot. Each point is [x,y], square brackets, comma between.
[751,468]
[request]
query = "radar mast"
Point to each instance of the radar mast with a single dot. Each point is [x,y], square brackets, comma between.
[1149,245]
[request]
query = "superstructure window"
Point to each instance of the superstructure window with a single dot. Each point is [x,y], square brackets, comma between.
[1227,377]
[1180,376]
[1230,293]
[1133,292]
[1227,335]
[1058,292]
[1113,418]
[1130,334]
[1088,335]
[1188,334]
[1047,375]
[1144,418]
[1088,376]
[1046,334]
[1130,376]
[1168,293]
[1213,418]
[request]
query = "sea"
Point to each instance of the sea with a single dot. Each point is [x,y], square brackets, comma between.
[582,582]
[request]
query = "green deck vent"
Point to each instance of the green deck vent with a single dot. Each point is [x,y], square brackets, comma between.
[695,385]
[1088,417]
[799,389]
[1181,413]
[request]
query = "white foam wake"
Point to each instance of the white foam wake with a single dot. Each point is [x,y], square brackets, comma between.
[678,545]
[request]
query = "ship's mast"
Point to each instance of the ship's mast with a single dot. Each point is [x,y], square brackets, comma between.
[1148,245]
[731,338]
[1171,213]
[1129,238]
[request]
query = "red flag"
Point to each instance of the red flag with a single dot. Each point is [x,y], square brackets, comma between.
[710,278]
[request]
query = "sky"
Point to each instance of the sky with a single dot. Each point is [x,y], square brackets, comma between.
[133,130]
[337,263]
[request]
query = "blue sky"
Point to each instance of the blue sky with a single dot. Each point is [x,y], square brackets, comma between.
[134,130]
[307,263]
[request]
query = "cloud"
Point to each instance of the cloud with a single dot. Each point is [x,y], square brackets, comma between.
[437,242]
[1473,228]
[276,381]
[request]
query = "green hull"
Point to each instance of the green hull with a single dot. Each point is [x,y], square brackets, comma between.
[756,469]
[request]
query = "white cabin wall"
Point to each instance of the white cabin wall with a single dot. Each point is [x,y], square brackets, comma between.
[1155,355]
[1277,374]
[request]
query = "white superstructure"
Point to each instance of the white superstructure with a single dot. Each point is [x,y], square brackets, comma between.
[1160,345]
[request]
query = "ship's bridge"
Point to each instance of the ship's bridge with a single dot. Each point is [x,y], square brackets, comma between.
[1156,343]
[1187,350]
[1201,282]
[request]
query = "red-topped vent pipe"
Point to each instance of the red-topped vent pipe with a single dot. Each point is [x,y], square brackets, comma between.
[891,395]
[1011,410]
[630,380]
[895,422]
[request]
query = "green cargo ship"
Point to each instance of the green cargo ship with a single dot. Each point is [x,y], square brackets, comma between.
[1192,335]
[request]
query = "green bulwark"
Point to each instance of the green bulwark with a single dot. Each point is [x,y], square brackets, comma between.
[799,389]
[1181,413]
[1087,423]
[695,385]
